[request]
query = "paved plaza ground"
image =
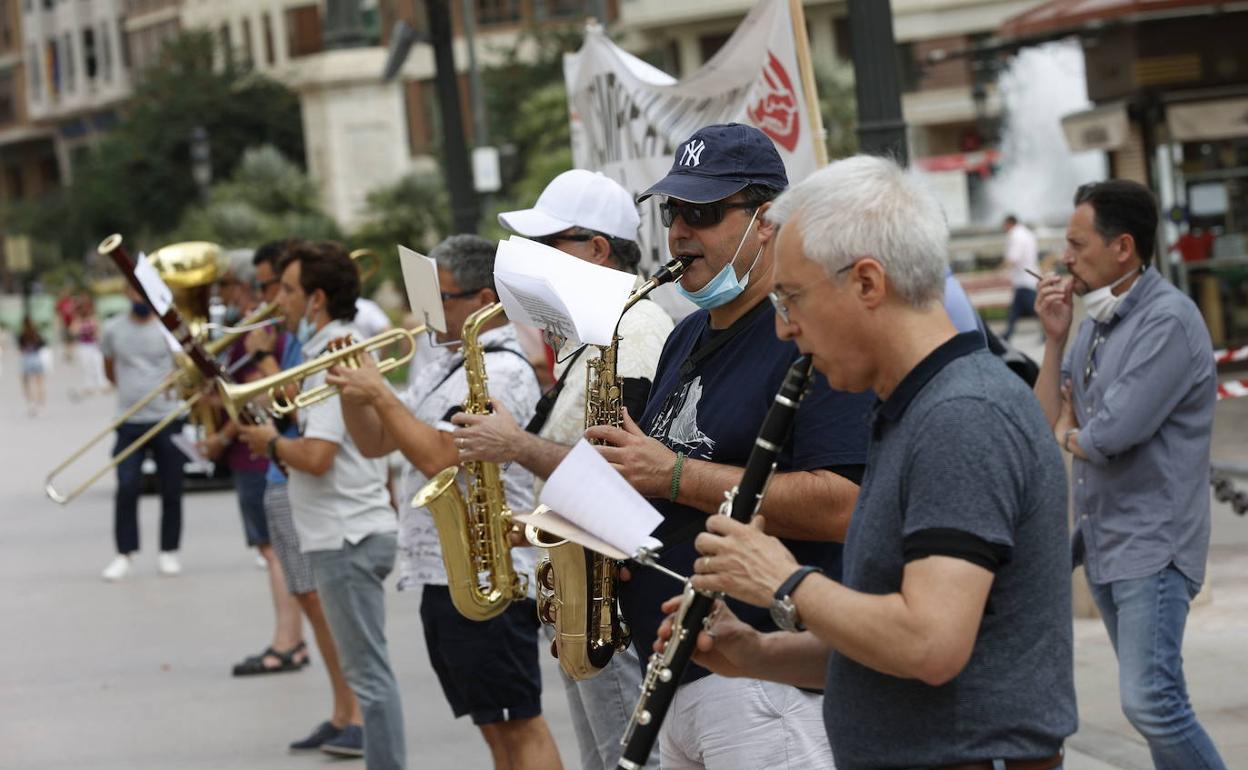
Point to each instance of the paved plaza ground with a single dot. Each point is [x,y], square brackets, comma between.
[136,675]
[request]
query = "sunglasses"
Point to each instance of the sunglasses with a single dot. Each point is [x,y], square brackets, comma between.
[551,240]
[698,214]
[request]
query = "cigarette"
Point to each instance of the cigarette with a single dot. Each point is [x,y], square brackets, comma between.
[1033,274]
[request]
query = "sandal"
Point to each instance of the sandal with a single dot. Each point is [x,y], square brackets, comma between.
[254,664]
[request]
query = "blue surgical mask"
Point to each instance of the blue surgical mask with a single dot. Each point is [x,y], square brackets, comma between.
[305,330]
[724,287]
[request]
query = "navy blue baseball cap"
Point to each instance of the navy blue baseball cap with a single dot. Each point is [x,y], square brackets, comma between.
[720,160]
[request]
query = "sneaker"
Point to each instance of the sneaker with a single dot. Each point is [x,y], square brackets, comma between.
[117,569]
[348,743]
[323,732]
[167,563]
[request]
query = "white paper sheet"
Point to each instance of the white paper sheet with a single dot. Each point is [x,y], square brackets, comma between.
[187,447]
[588,492]
[569,297]
[553,524]
[420,278]
[158,293]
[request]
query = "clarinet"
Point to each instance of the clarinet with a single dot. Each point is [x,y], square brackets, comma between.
[665,669]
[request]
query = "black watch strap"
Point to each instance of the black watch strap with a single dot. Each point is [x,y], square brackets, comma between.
[272,448]
[787,588]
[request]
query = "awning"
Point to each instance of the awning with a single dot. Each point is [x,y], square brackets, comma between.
[1201,121]
[1057,16]
[1100,128]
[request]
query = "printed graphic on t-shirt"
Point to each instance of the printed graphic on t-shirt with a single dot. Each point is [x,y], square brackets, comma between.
[677,423]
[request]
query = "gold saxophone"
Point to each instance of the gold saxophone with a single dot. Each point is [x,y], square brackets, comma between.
[473,532]
[577,588]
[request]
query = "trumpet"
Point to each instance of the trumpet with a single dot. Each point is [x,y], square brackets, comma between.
[186,378]
[236,396]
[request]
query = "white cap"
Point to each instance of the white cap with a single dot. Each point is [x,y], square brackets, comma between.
[577,198]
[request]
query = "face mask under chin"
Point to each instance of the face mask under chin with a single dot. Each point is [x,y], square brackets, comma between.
[724,287]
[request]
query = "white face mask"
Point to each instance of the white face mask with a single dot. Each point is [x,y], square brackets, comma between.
[1101,303]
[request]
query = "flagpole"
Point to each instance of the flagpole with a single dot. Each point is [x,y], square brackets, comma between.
[807,72]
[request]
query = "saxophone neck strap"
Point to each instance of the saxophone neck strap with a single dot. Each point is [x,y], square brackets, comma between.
[541,412]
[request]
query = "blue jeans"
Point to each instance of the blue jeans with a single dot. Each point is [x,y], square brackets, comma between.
[1145,618]
[169,460]
[1022,305]
[350,583]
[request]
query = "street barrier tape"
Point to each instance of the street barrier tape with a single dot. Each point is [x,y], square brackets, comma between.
[1230,355]
[1232,389]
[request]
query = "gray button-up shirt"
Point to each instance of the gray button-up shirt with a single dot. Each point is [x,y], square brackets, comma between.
[1146,422]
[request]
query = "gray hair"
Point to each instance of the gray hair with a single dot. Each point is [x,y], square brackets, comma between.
[867,206]
[470,258]
[239,265]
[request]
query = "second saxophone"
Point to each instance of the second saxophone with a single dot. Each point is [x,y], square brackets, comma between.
[473,529]
[577,588]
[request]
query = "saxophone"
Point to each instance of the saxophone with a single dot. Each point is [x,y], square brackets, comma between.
[577,588]
[473,531]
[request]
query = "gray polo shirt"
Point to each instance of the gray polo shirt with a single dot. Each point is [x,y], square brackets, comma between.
[1144,395]
[961,464]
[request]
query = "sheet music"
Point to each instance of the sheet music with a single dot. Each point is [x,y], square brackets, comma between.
[538,304]
[566,296]
[420,279]
[586,491]
[159,295]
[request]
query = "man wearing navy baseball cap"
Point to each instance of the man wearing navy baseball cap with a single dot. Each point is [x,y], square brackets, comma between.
[717,376]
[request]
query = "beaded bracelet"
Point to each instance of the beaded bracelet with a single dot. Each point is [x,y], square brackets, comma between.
[676,469]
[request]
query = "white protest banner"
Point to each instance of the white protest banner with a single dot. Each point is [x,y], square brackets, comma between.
[628,117]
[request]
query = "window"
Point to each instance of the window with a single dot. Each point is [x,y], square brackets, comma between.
[54,69]
[6,26]
[227,43]
[267,24]
[497,11]
[67,51]
[8,104]
[90,66]
[248,51]
[303,30]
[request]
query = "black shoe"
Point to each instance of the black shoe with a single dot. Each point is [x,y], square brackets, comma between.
[348,743]
[325,731]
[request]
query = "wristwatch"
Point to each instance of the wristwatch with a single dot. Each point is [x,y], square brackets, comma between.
[783,610]
[272,449]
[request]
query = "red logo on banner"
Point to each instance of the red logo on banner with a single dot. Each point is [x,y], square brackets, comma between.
[775,113]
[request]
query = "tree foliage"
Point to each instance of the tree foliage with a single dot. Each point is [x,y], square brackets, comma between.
[267,198]
[414,211]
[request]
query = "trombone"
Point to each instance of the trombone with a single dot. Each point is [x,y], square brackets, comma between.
[235,396]
[186,377]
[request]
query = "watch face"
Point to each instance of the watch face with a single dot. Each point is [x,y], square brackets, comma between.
[784,614]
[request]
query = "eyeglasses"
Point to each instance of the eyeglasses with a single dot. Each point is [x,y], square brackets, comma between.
[551,240]
[698,214]
[780,300]
[446,295]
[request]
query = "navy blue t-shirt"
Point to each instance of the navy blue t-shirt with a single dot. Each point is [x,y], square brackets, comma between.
[713,412]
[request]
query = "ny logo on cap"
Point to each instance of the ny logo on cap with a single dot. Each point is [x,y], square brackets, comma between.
[693,153]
